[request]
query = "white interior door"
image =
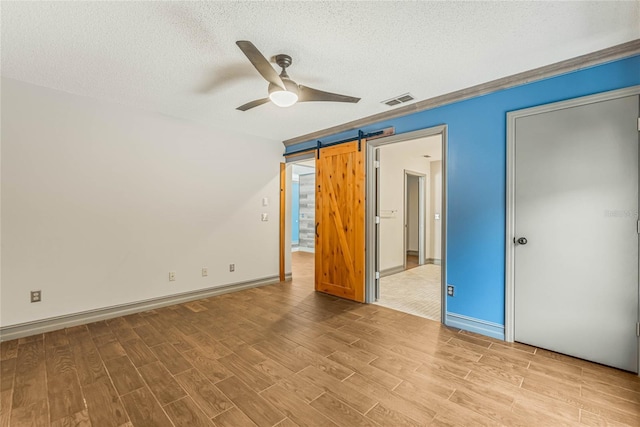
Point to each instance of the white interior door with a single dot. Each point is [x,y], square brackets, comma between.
[576,204]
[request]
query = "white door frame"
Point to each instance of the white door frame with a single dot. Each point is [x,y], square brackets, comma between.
[371,282]
[509,326]
[421,216]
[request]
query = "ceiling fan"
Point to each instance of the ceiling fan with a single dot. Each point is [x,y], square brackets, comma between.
[283,91]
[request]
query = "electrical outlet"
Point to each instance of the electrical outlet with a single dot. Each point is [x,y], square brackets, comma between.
[450,290]
[232,267]
[265,217]
[205,271]
[172,276]
[36,296]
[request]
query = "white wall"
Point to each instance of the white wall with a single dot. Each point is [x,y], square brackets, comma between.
[394,159]
[101,201]
[435,206]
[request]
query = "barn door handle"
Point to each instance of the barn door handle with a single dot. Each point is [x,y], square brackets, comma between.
[522,241]
[317,224]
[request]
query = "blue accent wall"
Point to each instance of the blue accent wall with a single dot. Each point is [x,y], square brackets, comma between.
[476,171]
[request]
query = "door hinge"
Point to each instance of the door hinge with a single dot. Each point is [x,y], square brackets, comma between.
[377,275]
[638,329]
[377,219]
[638,226]
[376,164]
[639,124]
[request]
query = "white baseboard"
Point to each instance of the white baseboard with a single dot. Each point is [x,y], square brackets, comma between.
[54,323]
[435,261]
[305,249]
[392,270]
[478,326]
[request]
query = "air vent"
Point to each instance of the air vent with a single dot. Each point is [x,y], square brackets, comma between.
[400,99]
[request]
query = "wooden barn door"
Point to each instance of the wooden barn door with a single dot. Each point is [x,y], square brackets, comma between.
[340,220]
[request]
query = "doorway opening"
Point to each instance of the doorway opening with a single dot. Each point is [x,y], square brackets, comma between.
[414,219]
[408,203]
[301,204]
[339,196]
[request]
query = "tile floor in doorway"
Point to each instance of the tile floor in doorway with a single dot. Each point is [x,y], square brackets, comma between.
[415,291]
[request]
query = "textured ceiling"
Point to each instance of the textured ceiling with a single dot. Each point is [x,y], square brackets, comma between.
[416,148]
[180,58]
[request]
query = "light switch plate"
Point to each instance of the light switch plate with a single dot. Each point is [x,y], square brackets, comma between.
[265,201]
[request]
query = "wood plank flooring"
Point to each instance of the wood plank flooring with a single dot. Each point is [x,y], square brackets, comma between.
[412,262]
[283,355]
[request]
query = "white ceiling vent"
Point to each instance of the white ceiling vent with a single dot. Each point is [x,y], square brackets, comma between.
[400,99]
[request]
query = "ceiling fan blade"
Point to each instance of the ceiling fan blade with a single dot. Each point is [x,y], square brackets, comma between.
[306,94]
[260,62]
[252,104]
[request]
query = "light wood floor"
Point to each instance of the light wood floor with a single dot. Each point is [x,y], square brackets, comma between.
[284,355]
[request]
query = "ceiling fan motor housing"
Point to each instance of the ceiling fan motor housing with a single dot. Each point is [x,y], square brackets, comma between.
[283,60]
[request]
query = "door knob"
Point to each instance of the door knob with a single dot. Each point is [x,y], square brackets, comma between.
[522,241]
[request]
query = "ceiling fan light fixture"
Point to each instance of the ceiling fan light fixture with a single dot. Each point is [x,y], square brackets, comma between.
[283,98]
